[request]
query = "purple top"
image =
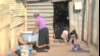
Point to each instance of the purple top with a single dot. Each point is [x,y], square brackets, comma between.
[41,22]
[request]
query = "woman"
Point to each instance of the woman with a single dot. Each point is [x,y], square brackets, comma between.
[40,26]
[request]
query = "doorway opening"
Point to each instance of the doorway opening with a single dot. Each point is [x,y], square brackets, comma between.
[61,18]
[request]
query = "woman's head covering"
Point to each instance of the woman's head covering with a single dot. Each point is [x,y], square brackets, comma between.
[36,13]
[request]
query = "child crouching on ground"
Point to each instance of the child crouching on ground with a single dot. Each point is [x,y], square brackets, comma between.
[64,35]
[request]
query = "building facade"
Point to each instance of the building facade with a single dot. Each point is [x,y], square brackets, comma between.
[84,19]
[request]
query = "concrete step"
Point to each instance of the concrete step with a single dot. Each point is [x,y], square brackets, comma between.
[39,7]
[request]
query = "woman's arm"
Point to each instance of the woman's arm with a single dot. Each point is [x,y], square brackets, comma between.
[36,28]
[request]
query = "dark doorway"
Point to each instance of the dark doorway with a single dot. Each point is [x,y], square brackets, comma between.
[60,19]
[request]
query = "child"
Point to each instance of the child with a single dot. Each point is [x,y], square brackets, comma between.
[73,36]
[64,35]
[73,40]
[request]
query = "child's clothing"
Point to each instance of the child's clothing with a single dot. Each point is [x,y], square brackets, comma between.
[64,35]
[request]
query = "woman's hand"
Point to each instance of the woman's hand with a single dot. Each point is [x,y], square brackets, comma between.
[35,31]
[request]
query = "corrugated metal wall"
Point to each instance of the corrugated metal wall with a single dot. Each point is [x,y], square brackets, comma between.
[94,22]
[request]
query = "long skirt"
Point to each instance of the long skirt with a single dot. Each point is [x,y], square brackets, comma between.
[43,39]
[43,36]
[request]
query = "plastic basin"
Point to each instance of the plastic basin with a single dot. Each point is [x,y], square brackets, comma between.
[29,37]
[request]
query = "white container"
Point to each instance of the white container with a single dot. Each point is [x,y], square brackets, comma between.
[29,37]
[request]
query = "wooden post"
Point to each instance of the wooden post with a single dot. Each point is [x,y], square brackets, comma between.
[88,23]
